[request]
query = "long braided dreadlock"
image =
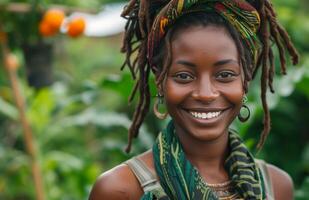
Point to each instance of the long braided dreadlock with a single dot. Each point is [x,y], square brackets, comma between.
[141,14]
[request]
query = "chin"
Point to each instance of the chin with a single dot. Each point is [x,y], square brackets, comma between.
[203,134]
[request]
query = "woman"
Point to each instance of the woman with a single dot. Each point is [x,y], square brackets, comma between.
[203,55]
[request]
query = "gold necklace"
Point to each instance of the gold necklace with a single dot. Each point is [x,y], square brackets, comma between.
[224,191]
[216,185]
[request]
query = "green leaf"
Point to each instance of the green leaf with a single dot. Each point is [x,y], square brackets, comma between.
[8,109]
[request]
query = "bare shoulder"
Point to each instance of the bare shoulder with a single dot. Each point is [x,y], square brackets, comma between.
[117,183]
[282,183]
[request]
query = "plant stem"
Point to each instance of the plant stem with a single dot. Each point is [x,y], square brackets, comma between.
[29,141]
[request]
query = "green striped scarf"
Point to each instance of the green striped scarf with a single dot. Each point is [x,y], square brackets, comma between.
[181,180]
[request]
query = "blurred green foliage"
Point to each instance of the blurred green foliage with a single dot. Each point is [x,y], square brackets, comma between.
[80,123]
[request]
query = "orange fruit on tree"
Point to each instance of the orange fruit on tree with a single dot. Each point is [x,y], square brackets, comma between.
[46,30]
[76,27]
[54,17]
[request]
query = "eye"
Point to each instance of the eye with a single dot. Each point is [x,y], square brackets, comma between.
[183,77]
[226,76]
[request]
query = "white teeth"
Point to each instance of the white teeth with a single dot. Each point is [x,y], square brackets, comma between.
[203,115]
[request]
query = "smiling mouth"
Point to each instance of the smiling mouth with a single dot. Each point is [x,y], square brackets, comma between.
[205,115]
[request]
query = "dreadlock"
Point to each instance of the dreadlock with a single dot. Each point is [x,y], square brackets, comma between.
[140,15]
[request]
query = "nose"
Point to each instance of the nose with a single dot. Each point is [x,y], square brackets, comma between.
[205,91]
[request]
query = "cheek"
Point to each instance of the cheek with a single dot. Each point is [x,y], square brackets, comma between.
[234,93]
[174,93]
[171,92]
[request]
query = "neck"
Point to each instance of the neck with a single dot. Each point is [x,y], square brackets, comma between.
[207,156]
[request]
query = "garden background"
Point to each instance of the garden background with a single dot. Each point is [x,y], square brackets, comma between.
[79,122]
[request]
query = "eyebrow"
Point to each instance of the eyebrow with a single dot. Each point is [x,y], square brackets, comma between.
[183,62]
[226,61]
[218,63]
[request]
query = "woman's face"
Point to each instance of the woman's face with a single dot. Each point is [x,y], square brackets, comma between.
[203,89]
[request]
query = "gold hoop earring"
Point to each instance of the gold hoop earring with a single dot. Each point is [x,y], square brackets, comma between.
[158,101]
[244,107]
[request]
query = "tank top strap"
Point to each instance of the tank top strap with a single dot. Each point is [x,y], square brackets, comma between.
[268,184]
[146,178]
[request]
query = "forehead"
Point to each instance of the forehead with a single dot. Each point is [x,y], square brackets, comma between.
[211,41]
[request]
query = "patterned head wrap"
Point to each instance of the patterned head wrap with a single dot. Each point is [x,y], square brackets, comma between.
[239,13]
